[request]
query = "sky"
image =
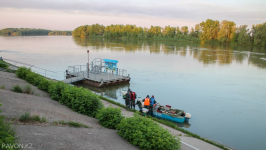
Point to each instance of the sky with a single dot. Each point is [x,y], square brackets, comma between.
[69,14]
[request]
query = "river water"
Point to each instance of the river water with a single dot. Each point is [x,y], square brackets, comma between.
[223,87]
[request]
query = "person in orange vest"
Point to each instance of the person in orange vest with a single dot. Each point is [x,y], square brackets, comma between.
[147,102]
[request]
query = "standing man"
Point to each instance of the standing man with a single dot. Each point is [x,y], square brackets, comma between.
[133,96]
[128,98]
[152,102]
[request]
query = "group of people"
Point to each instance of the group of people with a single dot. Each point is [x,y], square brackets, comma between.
[148,103]
[130,100]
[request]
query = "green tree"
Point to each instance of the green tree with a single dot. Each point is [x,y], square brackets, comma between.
[227,31]
[209,29]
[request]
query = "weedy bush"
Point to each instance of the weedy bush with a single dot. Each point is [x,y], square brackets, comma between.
[27,89]
[146,134]
[7,134]
[3,87]
[109,117]
[25,117]
[17,89]
[71,124]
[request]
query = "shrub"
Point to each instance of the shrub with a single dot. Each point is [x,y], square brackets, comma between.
[25,117]
[3,87]
[27,89]
[147,134]
[55,90]
[109,117]
[38,119]
[30,77]
[7,134]
[44,84]
[78,99]
[3,64]
[17,88]
[22,72]
[37,79]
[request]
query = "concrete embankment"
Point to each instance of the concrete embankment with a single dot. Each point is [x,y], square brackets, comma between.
[45,136]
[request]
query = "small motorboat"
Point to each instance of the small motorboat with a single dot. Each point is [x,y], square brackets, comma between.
[167,113]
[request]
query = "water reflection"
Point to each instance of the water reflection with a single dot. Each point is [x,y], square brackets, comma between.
[112,92]
[205,53]
[185,124]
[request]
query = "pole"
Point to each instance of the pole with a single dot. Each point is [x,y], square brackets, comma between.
[88,59]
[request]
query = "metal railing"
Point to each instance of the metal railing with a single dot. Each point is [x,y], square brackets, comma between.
[78,76]
[77,68]
[44,72]
[96,66]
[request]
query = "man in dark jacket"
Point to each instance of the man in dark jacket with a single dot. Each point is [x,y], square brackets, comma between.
[127,99]
[152,102]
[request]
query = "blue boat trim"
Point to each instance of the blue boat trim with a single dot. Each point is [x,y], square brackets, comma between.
[179,119]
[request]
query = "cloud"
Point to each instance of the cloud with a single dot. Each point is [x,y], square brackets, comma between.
[188,10]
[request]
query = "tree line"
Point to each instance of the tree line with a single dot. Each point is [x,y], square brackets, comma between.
[208,31]
[31,32]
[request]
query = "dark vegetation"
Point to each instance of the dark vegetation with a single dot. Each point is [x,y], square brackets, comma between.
[109,117]
[17,89]
[31,32]
[147,134]
[3,64]
[7,134]
[78,99]
[28,118]
[71,124]
[208,31]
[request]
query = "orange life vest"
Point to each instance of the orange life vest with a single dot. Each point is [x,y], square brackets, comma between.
[147,102]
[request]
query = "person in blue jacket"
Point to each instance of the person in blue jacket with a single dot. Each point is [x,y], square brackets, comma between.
[152,102]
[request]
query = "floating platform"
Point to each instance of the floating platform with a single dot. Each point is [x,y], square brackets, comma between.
[96,79]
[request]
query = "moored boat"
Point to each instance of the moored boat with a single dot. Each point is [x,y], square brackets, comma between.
[167,113]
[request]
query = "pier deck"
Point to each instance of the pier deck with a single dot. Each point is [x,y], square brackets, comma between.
[96,79]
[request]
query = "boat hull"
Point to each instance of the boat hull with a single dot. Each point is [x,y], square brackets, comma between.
[178,119]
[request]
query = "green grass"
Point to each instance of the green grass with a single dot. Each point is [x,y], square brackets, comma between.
[17,89]
[71,124]
[116,103]
[28,118]
[170,124]
[2,87]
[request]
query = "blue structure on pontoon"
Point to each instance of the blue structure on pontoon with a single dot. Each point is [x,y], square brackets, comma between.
[110,65]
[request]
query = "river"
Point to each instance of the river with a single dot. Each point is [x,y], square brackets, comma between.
[223,87]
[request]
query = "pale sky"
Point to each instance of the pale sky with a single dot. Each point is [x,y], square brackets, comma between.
[69,14]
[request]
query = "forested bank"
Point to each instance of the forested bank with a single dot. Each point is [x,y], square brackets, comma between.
[31,32]
[207,31]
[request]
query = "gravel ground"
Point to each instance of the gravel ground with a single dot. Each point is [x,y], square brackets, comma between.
[9,80]
[56,137]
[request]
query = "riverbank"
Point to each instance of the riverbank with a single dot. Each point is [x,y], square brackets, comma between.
[8,79]
[43,136]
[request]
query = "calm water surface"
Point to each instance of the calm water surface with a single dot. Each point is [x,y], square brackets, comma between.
[222,87]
